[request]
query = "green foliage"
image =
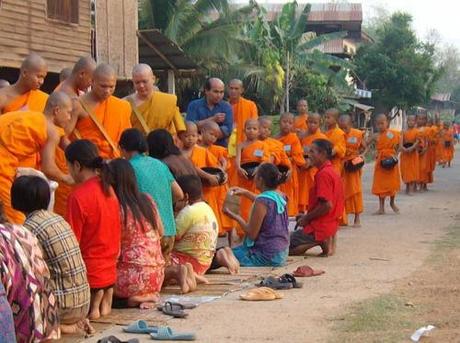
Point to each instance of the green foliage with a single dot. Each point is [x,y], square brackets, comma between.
[398,68]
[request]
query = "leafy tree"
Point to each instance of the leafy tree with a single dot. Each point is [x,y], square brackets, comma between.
[398,68]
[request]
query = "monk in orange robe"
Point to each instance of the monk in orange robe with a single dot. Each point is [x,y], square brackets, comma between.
[26,133]
[433,134]
[25,94]
[153,109]
[308,171]
[448,141]
[250,150]
[209,136]
[301,119]
[410,169]
[76,84]
[352,178]
[111,113]
[276,149]
[387,181]
[424,158]
[294,150]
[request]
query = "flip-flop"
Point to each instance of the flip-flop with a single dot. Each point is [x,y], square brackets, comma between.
[307,271]
[188,306]
[261,294]
[174,309]
[292,280]
[113,339]
[140,326]
[165,333]
[274,283]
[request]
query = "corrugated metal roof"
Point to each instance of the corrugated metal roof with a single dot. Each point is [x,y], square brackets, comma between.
[441,97]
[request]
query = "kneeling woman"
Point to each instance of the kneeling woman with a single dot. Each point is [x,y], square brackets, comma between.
[267,236]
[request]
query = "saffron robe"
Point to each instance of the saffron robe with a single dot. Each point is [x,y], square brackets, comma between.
[352,180]
[243,110]
[301,123]
[409,161]
[33,100]
[387,182]
[425,175]
[447,152]
[337,137]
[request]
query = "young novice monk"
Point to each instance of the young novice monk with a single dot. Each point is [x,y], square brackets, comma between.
[352,178]
[275,147]
[386,173]
[410,168]
[301,119]
[250,150]
[447,139]
[209,136]
[308,171]
[93,213]
[294,150]
[325,206]
[424,162]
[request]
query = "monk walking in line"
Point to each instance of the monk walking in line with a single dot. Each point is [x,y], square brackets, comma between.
[25,94]
[448,141]
[301,119]
[410,164]
[308,170]
[352,171]
[386,182]
[424,158]
[25,134]
[151,108]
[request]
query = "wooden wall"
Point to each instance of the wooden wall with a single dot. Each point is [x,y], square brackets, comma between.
[24,28]
[116,39]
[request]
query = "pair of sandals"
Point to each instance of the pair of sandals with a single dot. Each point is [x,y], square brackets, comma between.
[175,310]
[261,294]
[286,281]
[158,333]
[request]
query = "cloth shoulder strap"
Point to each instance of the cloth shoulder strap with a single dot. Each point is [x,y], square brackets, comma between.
[99,126]
[138,115]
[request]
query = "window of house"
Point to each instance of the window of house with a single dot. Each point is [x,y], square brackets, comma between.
[64,10]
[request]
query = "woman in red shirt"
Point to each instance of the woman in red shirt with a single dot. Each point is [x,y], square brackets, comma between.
[325,205]
[93,212]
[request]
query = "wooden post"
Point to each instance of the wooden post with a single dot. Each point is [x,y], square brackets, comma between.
[171,82]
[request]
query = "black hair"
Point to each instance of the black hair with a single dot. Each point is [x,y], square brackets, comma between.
[324,146]
[86,154]
[130,198]
[30,193]
[270,175]
[191,185]
[161,144]
[133,140]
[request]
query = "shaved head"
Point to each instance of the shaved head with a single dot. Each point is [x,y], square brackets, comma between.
[345,118]
[84,63]
[64,74]
[33,62]
[381,116]
[251,122]
[142,68]
[4,83]
[57,99]
[315,116]
[191,126]
[333,112]
[265,120]
[235,89]
[287,115]
[236,82]
[104,71]
[210,125]
[104,82]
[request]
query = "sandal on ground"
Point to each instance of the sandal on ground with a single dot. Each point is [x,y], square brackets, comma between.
[165,333]
[174,309]
[292,280]
[307,271]
[274,283]
[140,326]
[113,339]
[184,306]
[261,294]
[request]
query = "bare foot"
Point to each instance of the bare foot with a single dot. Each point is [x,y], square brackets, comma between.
[81,327]
[96,299]
[106,303]
[235,269]
[357,225]
[144,301]
[147,305]
[224,258]
[182,279]
[394,208]
[200,279]
[379,212]
[190,277]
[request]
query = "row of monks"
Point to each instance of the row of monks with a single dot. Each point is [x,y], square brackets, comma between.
[83,106]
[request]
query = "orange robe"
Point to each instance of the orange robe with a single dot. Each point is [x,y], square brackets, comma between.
[447,151]
[425,175]
[439,144]
[301,122]
[34,100]
[294,150]
[337,137]
[409,161]
[114,115]
[256,151]
[243,110]
[22,134]
[352,180]
[433,139]
[225,223]
[276,151]
[386,182]
[307,177]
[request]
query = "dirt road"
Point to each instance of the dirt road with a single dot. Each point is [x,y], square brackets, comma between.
[368,263]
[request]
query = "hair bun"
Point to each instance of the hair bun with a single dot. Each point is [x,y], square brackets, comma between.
[97,162]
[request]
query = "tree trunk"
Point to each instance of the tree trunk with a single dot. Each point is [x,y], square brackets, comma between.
[288,67]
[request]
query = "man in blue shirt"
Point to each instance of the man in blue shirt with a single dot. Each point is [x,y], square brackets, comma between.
[212,107]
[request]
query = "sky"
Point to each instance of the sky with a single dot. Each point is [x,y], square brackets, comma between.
[441,15]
